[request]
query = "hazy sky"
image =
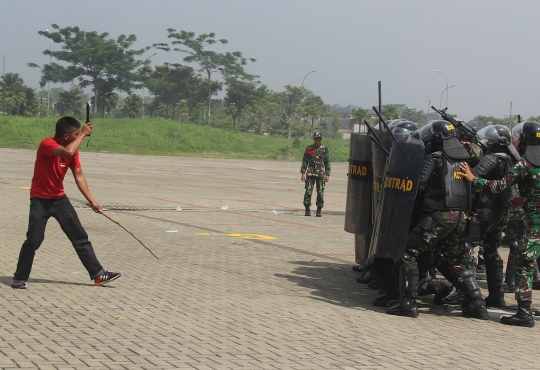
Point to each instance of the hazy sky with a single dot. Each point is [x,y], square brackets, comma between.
[488,49]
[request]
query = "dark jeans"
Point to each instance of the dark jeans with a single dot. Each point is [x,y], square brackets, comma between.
[62,210]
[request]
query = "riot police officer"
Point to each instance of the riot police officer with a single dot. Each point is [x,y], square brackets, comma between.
[493,210]
[526,174]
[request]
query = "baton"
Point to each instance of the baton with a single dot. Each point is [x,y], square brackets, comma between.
[88,119]
[129,232]
[376,139]
[384,123]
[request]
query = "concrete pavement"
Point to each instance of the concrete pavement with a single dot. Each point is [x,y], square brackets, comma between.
[245,287]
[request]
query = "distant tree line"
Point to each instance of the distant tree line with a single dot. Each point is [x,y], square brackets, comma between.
[184,92]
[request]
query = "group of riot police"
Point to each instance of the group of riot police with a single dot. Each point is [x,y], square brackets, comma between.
[430,197]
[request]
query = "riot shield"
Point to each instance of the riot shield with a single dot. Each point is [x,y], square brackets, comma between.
[379,164]
[359,186]
[400,185]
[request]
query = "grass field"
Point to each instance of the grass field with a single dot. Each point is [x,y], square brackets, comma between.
[166,137]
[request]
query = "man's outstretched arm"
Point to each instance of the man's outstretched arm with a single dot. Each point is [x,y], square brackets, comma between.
[80,180]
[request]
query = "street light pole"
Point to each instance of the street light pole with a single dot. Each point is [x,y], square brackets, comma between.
[306,76]
[440,101]
[142,115]
[49,82]
[303,87]
[511,115]
[446,86]
[428,105]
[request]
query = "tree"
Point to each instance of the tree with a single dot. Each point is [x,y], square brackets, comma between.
[132,106]
[230,65]
[482,121]
[313,106]
[173,83]
[291,100]
[94,59]
[360,115]
[12,92]
[30,106]
[411,114]
[242,96]
[390,112]
[335,121]
[71,102]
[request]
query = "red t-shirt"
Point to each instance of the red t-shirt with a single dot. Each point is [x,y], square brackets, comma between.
[49,171]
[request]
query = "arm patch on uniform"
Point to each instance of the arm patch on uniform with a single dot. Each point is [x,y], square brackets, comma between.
[485,166]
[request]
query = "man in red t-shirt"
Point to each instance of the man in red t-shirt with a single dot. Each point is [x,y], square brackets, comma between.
[47,199]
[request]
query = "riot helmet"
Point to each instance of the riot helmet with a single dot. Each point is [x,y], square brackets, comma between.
[439,131]
[401,133]
[495,134]
[436,131]
[530,136]
[516,131]
[402,130]
[530,133]
[394,123]
[409,125]
[498,136]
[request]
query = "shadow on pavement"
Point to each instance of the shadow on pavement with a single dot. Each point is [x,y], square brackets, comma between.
[6,280]
[335,283]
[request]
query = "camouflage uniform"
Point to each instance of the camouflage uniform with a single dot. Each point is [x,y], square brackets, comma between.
[316,165]
[527,177]
[489,247]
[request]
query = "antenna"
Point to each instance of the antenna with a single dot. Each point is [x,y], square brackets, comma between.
[4,65]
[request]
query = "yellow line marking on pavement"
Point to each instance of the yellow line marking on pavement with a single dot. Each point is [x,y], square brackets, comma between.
[241,236]
[252,236]
[18,187]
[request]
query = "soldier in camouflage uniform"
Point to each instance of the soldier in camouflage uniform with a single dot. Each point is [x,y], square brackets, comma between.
[493,211]
[526,174]
[441,230]
[315,171]
[516,225]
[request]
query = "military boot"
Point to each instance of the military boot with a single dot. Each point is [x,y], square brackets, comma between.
[406,304]
[509,285]
[522,318]
[319,209]
[494,272]
[308,211]
[404,307]
[481,269]
[473,304]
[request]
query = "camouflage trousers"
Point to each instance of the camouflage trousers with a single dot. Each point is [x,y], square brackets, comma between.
[528,253]
[489,246]
[443,243]
[320,184]
[514,223]
[508,221]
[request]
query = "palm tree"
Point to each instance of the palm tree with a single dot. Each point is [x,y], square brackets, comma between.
[12,92]
[390,112]
[359,115]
